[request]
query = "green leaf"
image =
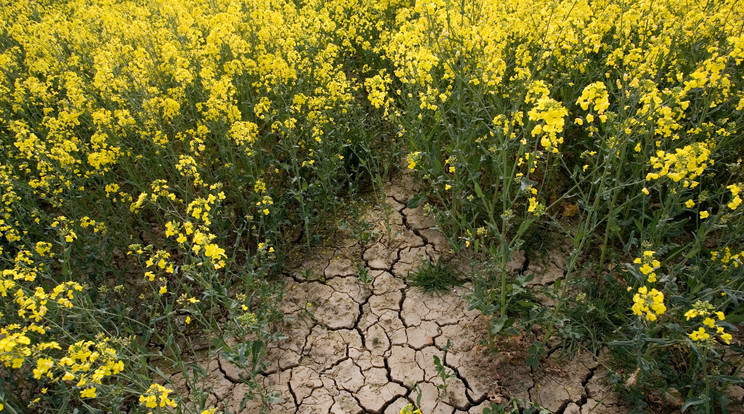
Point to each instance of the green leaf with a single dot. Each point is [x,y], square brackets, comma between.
[477,189]
[498,325]
[416,200]
[535,354]
[525,184]
[612,225]
[524,226]
[696,401]
[727,378]
[256,352]
[274,398]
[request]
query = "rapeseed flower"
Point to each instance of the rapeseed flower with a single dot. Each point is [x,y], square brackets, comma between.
[685,164]
[651,303]
[413,158]
[649,265]
[409,409]
[710,319]
[89,392]
[157,396]
[736,200]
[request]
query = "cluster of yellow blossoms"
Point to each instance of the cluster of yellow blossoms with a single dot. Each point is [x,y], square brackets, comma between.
[549,116]
[157,396]
[686,164]
[102,360]
[648,265]
[410,409]
[736,199]
[85,364]
[705,310]
[413,158]
[650,303]
[727,258]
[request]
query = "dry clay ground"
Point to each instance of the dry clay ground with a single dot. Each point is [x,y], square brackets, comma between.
[356,347]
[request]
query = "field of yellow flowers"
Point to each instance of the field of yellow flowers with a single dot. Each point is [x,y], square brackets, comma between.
[159,156]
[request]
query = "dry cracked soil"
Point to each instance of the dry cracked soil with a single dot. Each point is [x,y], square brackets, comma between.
[354,346]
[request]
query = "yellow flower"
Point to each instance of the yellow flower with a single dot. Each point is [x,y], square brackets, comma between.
[150,401]
[157,396]
[704,215]
[736,201]
[705,310]
[259,186]
[686,163]
[42,366]
[213,251]
[699,334]
[408,409]
[170,228]
[88,393]
[70,236]
[413,158]
[649,265]
[689,203]
[650,303]
[692,313]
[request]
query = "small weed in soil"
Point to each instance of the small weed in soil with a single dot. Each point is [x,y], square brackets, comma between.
[434,277]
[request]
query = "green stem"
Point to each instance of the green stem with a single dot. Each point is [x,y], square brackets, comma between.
[707,382]
[611,215]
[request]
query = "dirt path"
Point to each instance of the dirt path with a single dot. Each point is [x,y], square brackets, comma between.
[355,346]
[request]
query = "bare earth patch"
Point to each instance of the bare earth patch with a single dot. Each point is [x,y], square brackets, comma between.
[356,347]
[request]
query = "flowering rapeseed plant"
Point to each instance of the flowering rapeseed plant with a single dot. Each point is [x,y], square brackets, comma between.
[650,303]
[413,158]
[705,310]
[649,265]
[157,396]
[409,409]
